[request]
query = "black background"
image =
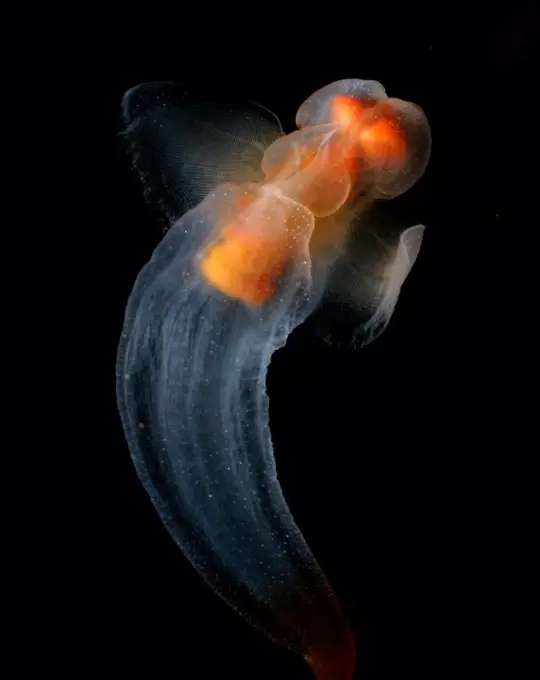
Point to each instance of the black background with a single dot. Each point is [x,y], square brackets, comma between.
[404,463]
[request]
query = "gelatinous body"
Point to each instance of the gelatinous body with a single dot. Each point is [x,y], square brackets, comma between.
[260,228]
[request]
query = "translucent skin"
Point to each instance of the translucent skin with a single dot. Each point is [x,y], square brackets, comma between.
[233,276]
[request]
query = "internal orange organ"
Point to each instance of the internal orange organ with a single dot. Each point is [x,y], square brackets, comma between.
[244,266]
[379,139]
[266,232]
[347,111]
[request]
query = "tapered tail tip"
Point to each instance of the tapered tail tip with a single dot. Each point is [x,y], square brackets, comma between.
[334,661]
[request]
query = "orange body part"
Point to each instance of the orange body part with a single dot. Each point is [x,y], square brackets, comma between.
[243,265]
[378,138]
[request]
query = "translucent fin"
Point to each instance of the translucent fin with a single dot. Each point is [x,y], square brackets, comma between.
[183,145]
[365,280]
